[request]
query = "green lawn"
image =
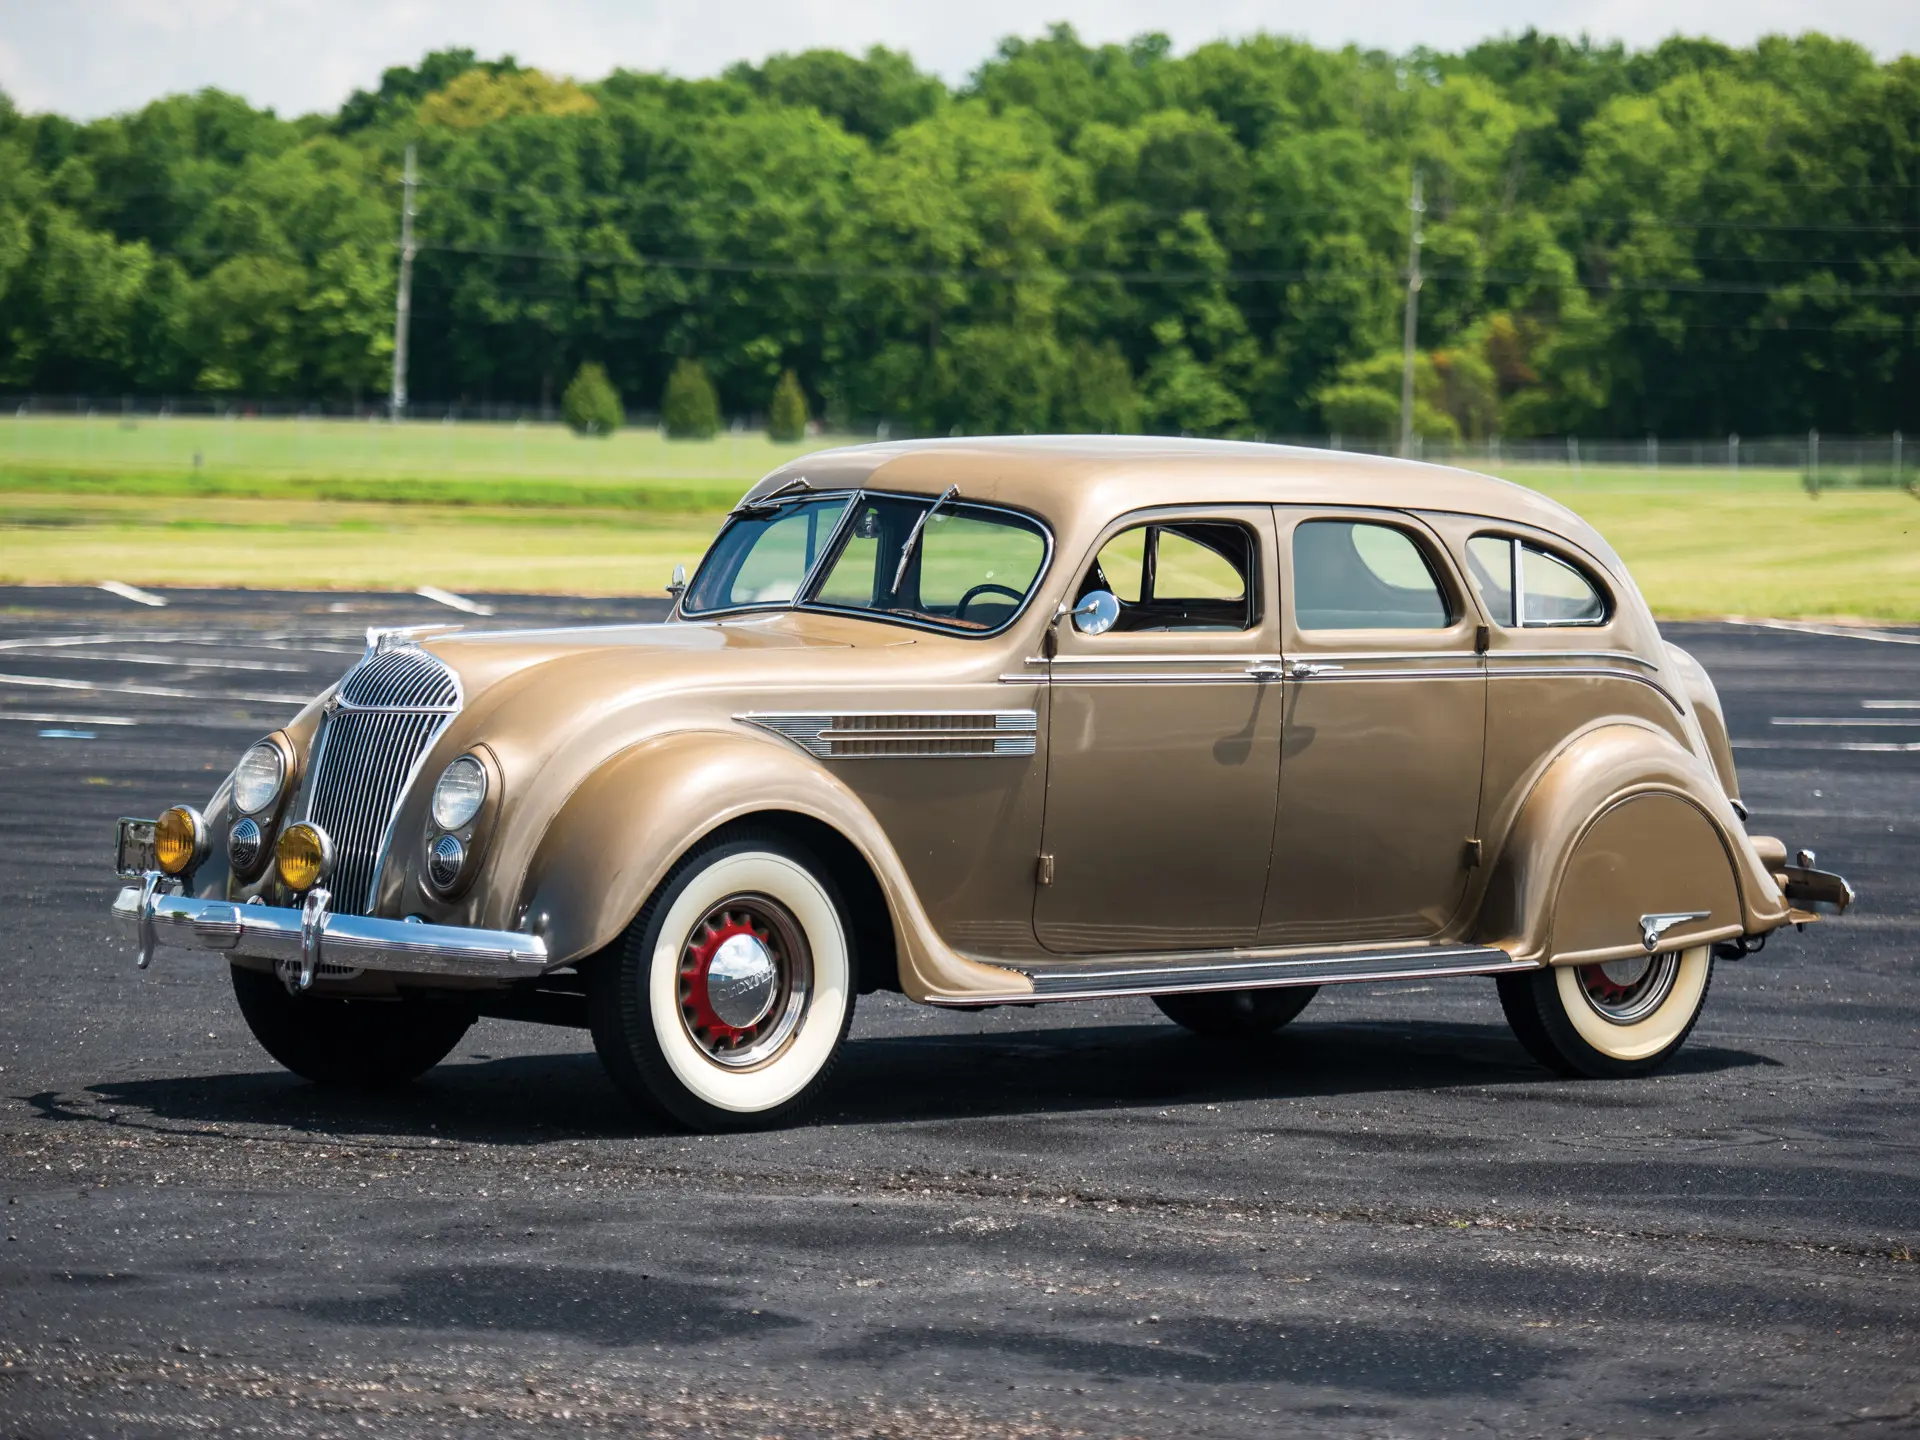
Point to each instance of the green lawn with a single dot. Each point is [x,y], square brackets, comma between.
[353,504]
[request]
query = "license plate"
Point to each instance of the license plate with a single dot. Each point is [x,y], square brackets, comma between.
[133,851]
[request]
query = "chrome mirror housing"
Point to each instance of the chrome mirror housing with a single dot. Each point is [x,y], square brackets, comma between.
[1096,614]
[677,586]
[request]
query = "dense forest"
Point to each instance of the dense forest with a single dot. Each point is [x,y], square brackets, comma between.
[1687,240]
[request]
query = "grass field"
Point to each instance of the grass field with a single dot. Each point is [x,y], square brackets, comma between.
[331,503]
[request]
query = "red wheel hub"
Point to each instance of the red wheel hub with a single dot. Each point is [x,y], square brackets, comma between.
[696,961]
[1603,986]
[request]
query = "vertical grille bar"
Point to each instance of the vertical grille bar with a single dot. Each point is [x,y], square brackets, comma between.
[394,705]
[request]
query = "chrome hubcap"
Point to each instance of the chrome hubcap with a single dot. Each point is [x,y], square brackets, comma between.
[744,981]
[1628,991]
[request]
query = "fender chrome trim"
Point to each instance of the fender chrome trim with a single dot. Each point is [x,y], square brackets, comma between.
[903,734]
[295,939]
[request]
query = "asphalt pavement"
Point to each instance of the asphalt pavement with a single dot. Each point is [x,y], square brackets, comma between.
[1029,1222]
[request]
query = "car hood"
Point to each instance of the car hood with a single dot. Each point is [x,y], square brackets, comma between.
[485,659]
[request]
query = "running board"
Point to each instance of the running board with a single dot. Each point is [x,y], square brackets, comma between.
[1178,973]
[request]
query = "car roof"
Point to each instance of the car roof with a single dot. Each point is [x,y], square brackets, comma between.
[1079,482]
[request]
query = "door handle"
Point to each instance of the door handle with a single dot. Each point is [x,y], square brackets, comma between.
[1307,669]
[1266,670]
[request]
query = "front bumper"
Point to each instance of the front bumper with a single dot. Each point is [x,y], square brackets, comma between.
[310,941]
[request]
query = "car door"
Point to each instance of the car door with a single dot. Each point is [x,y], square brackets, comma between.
[1386,702]
[1164,739]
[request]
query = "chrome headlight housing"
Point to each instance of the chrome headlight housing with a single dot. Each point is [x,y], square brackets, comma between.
[259,778]
[459,793]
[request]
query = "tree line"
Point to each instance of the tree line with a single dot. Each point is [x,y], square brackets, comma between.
[1687,240]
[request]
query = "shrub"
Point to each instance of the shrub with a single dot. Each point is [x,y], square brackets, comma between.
[787,417]
[690,409]
[590,404]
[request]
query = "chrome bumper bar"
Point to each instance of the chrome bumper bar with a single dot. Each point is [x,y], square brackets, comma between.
[300,941]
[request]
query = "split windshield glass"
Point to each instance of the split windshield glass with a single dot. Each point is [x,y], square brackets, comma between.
[970,570]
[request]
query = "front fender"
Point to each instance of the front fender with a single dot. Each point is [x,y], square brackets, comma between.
[624,826]
[1624,822]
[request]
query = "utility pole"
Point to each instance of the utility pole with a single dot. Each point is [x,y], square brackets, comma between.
[1417,206]
[403,296]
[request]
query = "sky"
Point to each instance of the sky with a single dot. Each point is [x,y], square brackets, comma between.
[86,58]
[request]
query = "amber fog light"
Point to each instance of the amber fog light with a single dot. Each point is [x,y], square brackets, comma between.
[304,855]
[179,838]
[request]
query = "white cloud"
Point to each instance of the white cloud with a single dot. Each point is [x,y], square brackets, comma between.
[93,57]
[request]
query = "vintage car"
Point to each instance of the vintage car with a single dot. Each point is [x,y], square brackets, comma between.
[998,722]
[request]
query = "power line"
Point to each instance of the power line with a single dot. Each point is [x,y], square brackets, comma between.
[811,269]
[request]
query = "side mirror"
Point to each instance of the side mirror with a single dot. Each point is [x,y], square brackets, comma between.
[1096,614]
[677,586]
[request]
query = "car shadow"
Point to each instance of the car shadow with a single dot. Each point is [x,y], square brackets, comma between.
[882,1080]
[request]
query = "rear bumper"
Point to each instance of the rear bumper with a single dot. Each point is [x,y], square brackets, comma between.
[301,942]
[1805,887]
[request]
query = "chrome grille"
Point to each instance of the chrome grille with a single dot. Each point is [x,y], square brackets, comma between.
[393,705]
[405,677]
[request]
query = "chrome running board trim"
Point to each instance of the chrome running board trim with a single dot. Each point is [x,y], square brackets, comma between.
[1182,973]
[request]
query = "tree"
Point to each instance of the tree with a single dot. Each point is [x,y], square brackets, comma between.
[478,98]
[787,416]
[690,409]
[590,405]
[1685,240]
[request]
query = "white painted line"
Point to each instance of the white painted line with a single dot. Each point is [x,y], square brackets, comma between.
[263,666]
[1890,704]
[163,692]
[46,717]
[1855,722]
[1838,632]
[137,637]
[453,601]
[131,592]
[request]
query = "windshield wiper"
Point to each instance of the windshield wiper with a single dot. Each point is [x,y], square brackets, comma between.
[913,536]
[770,500]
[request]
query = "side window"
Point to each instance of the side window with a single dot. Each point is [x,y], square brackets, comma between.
[1352,575]
[1490,562]
[1189,575]
[1546,589]
[1552,592]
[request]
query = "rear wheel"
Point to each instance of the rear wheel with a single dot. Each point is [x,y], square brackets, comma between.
[350,1044]
[725,1006]
[1621,1018]
[1236,1014]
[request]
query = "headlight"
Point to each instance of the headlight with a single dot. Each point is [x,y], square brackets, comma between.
[461,792]
[179,839]
[258,778]
[304,855]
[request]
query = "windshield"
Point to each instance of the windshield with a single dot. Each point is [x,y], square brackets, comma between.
[763,555]
[970,568]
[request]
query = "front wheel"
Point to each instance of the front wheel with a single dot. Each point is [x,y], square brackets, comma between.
[725,1006]
[1236,1014]
[1617,1019]
[350,1044]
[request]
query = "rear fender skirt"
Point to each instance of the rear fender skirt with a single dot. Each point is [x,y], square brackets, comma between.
[1690,832]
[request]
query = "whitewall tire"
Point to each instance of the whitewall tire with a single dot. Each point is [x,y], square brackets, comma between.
[726,1004]
[1627,1017]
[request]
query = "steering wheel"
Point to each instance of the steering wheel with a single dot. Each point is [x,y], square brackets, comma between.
[960,610]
